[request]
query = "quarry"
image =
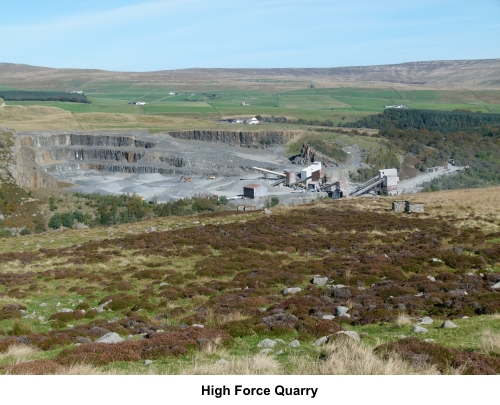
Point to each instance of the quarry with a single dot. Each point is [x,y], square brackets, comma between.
[171,165]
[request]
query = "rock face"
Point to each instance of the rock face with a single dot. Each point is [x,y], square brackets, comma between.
[309,154]
[250,139]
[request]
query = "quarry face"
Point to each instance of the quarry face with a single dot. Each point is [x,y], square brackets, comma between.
[153,166]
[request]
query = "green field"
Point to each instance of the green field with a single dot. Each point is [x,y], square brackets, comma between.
[334,104]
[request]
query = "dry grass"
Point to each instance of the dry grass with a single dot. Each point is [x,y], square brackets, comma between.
[260,364]
[403,320]
[490,342]
[17,353]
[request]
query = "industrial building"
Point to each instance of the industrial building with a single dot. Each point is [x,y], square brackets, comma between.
[254,191]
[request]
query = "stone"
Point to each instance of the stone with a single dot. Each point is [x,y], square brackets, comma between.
[267,343]
[319,280]
[151,229]
[426,321]
[429,340]
[79,225]
[294,343]
[496,286]
[342,311]
[351,334]
[449,325]
[197,325]
[83,339]
[223,362]
[267,212]
[43,304]
[419,329]
[328,317]
[435,260]
[321,341]
[147,362]
[110,337]
[291,290]
[280,341]
[66,310]
[401,336]
[266,351]
[279,352]
[431,278]
[162,284]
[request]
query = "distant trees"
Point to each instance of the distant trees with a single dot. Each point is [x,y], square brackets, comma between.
[40,95]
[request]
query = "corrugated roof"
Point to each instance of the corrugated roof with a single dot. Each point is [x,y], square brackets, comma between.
[252,186]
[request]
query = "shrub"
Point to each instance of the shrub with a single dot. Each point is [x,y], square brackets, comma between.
[35,367]
[20,328]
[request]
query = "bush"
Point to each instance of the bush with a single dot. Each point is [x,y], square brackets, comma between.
[25,231]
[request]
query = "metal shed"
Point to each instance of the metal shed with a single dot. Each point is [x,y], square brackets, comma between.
[254,190]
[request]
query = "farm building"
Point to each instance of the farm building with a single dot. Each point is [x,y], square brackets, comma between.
[254,190]
[253,121]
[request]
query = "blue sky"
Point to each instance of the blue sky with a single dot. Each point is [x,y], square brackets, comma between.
[141,35]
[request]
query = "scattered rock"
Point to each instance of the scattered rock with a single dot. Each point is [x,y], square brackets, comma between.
[321,341]
[431,278]
[449,325]
[419,329]
[66,310]
[267,343]
[279,352]
[401,336]
[496,286]
[328,317]
[429,340]
[197,325]
[342,311]
[79,225]
[151,229]
[110,337]
[280,341]
[319,280]
[147,362]
[291,290]
[163,284]
[350,333]
[426,321]
[294,343]
[266,351]
[435,260]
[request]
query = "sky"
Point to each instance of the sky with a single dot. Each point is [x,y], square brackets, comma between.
[149,35]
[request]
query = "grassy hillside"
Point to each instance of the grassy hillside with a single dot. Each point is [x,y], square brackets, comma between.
[227,272]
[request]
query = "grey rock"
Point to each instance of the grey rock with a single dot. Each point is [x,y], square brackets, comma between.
[196,222]
[496,286]
[338,286]
[401,336]
[426,321]
[147,362]
[197,325]
[267,343]
[83,339]
[435,260]
[342,311]
[43,304]
[431,278]
[291,290]
[223,362]
[79,225]
[449,325]
[280,341]
[321,341]
[151,229]
[419,329]
[328,317]
[267,212]
[262,309]
[279,352]
[294,343]
[266,350]
[429,340]
[110,337]
[162,284]
[66,310]
[465,317]
[350,333]
[319,280]
[41,318]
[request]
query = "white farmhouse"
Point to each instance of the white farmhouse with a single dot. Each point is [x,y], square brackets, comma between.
[253,121]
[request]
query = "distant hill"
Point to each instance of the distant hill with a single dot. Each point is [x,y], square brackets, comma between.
[475,74]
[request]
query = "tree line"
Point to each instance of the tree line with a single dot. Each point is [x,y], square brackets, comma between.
[40,95]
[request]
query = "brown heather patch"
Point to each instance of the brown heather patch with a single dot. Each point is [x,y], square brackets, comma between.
[421,353]
[35,367]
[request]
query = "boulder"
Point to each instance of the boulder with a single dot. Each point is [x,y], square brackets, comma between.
[267,343]
[294,343]
[321,341]
[426,321]
[431,278]
[291,290]
[328,317]
[342,311]
[449,325]
[350,333]
[419,329]
[496,286]
[110,337]
[319,280]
